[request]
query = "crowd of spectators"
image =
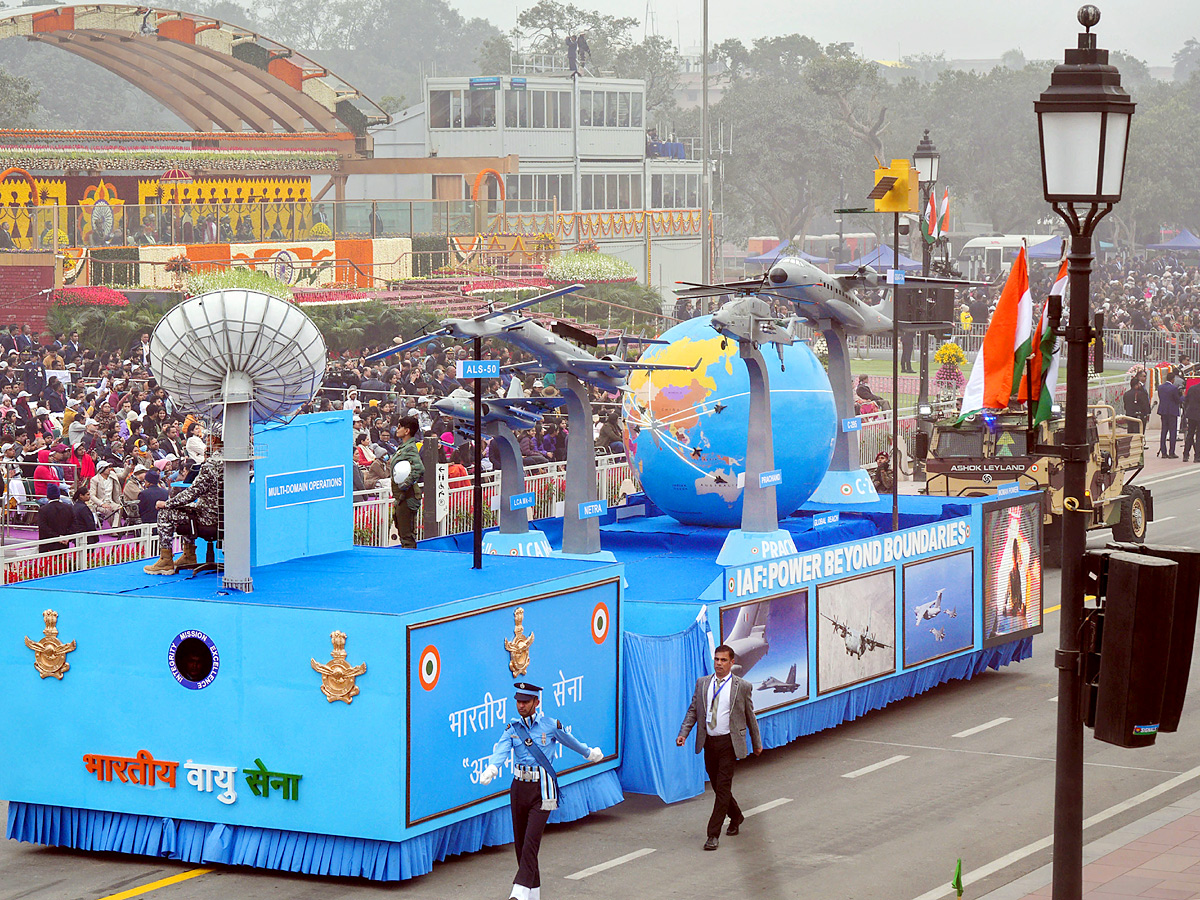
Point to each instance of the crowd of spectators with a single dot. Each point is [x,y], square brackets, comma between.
[86,431]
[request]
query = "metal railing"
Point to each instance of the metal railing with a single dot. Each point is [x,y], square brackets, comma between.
[25,560]
[373,510]
[161,220]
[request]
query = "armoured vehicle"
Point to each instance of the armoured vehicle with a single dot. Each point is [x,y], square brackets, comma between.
[976,457]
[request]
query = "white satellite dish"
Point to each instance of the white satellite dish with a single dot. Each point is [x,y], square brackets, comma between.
[240,358]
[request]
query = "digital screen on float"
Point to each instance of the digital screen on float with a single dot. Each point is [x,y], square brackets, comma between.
[1012,571]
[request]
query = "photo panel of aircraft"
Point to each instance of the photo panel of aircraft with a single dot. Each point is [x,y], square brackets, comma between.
[770,638]
[939,607]
[1012,573]
[856,630]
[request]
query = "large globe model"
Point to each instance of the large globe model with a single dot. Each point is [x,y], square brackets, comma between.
[685,432]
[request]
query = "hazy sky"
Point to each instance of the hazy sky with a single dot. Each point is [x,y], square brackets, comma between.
[1151,30]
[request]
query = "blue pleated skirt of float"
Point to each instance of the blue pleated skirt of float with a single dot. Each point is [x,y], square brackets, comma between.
[289,851]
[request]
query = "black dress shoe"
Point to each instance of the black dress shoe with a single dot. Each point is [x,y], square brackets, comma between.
[711,843]
[735,827]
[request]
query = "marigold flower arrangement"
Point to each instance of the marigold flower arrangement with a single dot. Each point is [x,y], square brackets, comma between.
[950,359]
[179,265]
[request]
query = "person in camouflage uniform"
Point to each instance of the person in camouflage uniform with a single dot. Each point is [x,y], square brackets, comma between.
[201,504]
[406,469]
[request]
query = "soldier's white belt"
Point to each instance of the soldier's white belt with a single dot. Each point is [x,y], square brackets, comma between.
[522,773]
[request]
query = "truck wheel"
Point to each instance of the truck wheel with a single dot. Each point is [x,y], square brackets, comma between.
[1132,526]
[1052,543]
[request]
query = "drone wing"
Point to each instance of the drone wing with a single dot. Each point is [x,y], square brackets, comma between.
[749,286]
[538,403]
[601,365]
[522,304]
[408,345]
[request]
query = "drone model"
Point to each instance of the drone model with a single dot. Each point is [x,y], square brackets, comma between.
[550,352]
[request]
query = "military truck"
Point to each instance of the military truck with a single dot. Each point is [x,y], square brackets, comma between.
[977,456]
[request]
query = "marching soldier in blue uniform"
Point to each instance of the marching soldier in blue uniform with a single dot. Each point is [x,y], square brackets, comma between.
[528,745]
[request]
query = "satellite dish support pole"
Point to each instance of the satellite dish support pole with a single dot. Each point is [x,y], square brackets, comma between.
[235,433]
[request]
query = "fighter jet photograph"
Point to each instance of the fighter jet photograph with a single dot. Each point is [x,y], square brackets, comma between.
[856,630]
[550,351]
[932,609]
[859,642]
[770,637]
[933,630]
[787,685]
[748,638]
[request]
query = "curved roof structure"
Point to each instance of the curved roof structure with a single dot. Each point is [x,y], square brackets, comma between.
[214,76]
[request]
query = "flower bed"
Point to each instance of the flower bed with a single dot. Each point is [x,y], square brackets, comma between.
[590,268]
[88,296]
[122,158]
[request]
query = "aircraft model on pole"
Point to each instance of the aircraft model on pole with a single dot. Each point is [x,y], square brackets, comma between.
[516,410]
[832,305]
[550,352]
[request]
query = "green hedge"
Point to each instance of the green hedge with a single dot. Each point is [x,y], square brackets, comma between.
[430,252]
[114,265]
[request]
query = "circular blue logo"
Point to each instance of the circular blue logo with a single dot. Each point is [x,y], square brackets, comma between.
[194,659]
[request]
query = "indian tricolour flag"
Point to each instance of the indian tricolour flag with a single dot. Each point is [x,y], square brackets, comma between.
[1050,353]
[1000,362]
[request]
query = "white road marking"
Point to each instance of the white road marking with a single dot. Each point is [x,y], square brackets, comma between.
[766,806]
[984,727]
[619,861]
[1163,478]
[1163,519]
[1029,849]
[891,760]
[1052,700]
[1005,755]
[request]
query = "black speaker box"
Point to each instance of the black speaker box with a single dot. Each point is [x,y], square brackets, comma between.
[1133,663]
[926,306]
[1183,624]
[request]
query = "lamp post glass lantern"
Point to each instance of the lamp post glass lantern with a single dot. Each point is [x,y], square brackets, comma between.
[1083,128]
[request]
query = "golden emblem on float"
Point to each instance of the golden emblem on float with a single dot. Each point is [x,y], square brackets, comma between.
[50,654]
[518,646]
[337,675]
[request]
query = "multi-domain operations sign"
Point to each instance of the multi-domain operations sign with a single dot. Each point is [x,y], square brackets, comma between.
[307,486]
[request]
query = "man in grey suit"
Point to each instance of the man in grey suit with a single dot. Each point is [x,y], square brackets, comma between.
[722,709]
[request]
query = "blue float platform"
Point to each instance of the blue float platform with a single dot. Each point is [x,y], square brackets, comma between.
[679,604]
[126,753]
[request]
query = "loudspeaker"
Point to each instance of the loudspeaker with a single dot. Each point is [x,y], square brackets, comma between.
[1138,605]
[925,306]
[1183,624]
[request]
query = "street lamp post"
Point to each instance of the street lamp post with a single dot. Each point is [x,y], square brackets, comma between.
[1083,126]
[926,160]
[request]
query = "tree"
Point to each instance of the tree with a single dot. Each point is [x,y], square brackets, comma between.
[1187,59]
[792,154]
[1012,59]
[656,61]
[547,25]
[18,101]
[853,83]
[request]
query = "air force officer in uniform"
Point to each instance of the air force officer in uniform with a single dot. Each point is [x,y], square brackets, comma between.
[722,709]
[528,745]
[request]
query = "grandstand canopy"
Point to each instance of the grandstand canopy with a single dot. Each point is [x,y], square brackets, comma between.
[214,76]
